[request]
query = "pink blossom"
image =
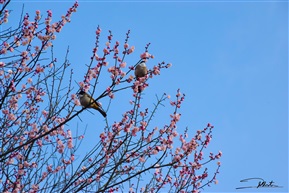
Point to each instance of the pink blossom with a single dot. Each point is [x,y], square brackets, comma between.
[127,128]
[35,187]
[10,161]
[176,117]
[177,151]
[21,172]
[89,180]
[161,148]
[39,143]
[3,51]
[208,139]
[105,51]
[154,152]
[5,111]
[33,165]
[83,168]
[123,64]
[58,168]
[143,123]
[36,48]
[26,164]
[67,162]
[72,157]
[145,55]
[142,114]
[98,31]
[177,158]
[11,117]
[141,159]
[156,70]
[44,175]
[122,74]
[204,175]
[24,54]
[218,156]
[111,95]
[38,98]
[131,50]
[96,56]
[45,128]
[73,96]
[77,102]
[200,156]
[49,168]
[149,138]
[194,164]
[49,12]
[69,143]
[29,80]
[102,136]
[134,131]
[50,65]
[60,146]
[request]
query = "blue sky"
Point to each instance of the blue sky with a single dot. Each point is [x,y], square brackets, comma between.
[229,58]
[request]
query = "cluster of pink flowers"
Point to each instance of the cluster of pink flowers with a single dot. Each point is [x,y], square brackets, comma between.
[28,126]
[29,30]
[120,70]
[4,18]
[185,164]
[36,144]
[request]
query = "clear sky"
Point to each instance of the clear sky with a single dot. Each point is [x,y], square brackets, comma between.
[230,58]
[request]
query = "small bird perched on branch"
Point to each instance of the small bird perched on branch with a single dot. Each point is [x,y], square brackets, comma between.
[140,70]
[87,101]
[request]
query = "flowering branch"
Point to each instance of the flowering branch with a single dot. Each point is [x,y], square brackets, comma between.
[38,147]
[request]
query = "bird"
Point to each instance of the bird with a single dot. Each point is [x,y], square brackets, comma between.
[87,101]
[140,70]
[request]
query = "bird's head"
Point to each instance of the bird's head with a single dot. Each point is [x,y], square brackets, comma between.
[80,93]
[142,63]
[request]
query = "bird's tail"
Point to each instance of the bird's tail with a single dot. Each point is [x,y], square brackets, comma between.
[102,112]
[95,105]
